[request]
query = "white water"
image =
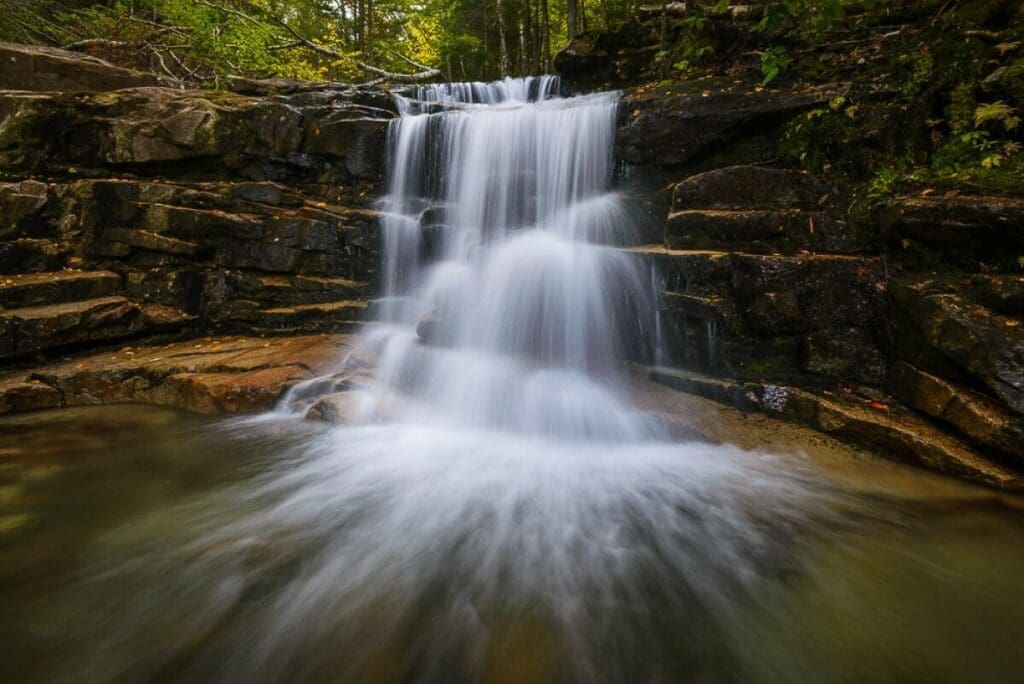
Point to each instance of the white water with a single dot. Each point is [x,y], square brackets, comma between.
[528,314]
[496,480]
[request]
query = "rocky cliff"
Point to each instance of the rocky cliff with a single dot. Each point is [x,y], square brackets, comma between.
[130,208]
[132,211]
[894,321]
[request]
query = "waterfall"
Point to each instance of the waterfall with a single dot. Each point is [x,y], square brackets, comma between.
[496,501]
[523,311]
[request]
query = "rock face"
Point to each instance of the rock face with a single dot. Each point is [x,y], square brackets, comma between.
[766,280]
[670,127]
[152,210]
[32,67]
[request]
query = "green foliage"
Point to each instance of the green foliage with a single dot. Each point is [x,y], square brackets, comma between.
[998,112]
[773,62]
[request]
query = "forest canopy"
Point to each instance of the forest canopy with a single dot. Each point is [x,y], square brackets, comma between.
[337,40]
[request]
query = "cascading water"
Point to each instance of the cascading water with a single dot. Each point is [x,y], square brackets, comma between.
[496,510]
[526,310]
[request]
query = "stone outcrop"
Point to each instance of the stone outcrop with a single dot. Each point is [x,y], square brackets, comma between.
[204,375]
[894,431]
[676,125]
[33,67]
[132,209]
[767,278]
[322,136]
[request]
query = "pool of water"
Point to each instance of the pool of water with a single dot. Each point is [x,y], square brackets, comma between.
[142,544]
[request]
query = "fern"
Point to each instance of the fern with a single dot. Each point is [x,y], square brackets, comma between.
[999,112]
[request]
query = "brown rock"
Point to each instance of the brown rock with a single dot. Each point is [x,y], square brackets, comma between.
[33,67]
[207,375]
[974,415]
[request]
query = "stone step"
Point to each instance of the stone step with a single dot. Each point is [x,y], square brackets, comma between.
[752,187]
[55,287]
[34,329]
[297,290]
[757,230]
[28,255]
[962,228]
[318,317]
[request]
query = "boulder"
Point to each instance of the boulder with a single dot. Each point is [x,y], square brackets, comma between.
[33,67]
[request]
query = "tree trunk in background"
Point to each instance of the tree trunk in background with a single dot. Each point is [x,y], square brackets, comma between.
[502,38]
[571,11]
[524,63]
[546,34]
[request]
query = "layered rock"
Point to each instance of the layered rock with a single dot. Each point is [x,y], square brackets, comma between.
[766,278]
[154,210]
[205,375]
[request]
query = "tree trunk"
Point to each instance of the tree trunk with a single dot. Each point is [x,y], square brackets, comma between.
[524,64]
[502,40]
[546,34]
[571,11]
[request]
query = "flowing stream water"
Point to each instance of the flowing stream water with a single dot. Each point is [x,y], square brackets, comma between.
[496,509]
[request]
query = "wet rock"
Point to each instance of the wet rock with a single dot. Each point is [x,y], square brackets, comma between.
[974,415]
[254,138]
[36,289]
[770,316]
[19,394]
[752,188]
[987,346]
[32,329]
[33,67]
[1001,293]
[758,209]
[206,375]
[20,204]
[338,408]
[214,393]
[886,427]
[852,354]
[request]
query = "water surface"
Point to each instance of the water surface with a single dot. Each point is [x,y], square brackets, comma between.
[141,544]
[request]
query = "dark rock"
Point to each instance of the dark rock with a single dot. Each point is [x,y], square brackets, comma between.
[990,226]
[34,289]
[677,126]
[31,329]
[852,354]
[752,188]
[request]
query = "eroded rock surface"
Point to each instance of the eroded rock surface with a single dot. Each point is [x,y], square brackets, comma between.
[203,375]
